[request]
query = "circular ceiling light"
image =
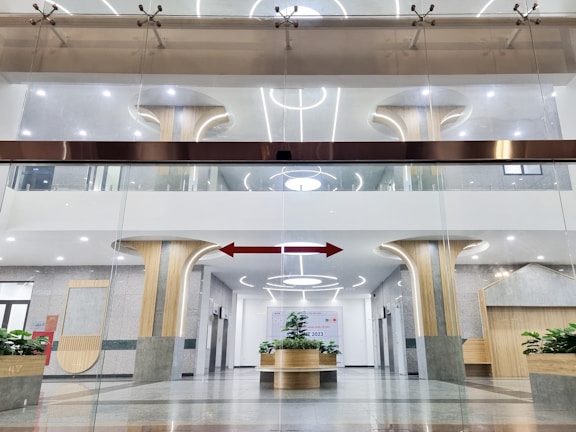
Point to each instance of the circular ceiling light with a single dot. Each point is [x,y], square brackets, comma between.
[304,184]
[302,281]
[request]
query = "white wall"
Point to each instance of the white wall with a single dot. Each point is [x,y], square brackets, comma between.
[356,339]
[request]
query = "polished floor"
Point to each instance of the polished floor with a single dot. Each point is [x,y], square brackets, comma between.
[363,400]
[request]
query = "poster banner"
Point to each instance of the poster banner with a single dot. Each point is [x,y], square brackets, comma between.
[323,323]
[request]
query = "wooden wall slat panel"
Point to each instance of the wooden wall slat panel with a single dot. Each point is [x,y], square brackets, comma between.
[506,326]
[77,354]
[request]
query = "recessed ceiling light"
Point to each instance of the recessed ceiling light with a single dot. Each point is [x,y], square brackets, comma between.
[540,257]
[171,91]
[82,132]
[553,94]
[84,239]
[120,258]
[425,92]
[474,257]
[462,133]
[60,258]
[137,133]
[517,133]
[471,182]
[40,92]
[10,239]
[106,93]
[490,94]
[3,258]
[26,132]
[510,238]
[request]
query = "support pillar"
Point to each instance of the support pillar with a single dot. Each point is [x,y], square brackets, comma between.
[160,346]
[438,340]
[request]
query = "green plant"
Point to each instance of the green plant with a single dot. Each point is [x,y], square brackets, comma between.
[557,340]
[299,343]
[20,342]
[296,325]
[266,347]
[331,348]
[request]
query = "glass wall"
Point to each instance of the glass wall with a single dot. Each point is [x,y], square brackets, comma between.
[212,71]
[393,263]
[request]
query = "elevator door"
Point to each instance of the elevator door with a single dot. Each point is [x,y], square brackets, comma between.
[213,344]
[224,344]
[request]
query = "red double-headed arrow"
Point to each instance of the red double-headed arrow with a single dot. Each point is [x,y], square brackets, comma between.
[232,249]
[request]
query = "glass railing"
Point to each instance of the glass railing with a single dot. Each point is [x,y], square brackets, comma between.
[295,178]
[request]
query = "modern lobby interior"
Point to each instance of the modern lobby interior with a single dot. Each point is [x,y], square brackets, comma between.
[431,144]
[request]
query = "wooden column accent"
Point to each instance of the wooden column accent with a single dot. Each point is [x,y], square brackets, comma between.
[193,124]
[418,252]
[449,252]
[150,251]
[179,255]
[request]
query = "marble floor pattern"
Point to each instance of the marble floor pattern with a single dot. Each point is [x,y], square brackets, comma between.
[363,400]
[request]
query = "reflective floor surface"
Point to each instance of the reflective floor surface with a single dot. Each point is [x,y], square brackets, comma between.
[363,400]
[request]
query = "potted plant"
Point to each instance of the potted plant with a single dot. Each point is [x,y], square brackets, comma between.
[552,366]
[328,353]
[21,368]
[266,350]
[296,350]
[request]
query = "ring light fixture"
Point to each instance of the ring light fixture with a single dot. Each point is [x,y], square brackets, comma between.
[301,107]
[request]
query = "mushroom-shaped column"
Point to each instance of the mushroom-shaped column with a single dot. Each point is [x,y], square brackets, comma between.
[168,263]
[438,341]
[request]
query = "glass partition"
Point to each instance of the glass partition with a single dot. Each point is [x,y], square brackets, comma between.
[169,277]
[362,72]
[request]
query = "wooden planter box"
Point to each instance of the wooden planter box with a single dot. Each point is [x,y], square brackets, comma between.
[266,359]
[327,359]
[20,380]
[553,380]
[292,365]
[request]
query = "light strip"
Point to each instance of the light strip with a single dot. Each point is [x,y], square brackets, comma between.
[300,289]
[397,8]
[254,6]
[301,265]
[342,8]
[415,284]
[315,276]
[336,115]
[304,295]
[271,295]
[281,105]
[59,6]
[245,283]
[484,8]
[363,281]
[266,114]
[246,182]
[110,7]
[316,173]
[301,116]
[336,293]
[361,182]
[207,122]
[450,117]
[198,9]
[391,120]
